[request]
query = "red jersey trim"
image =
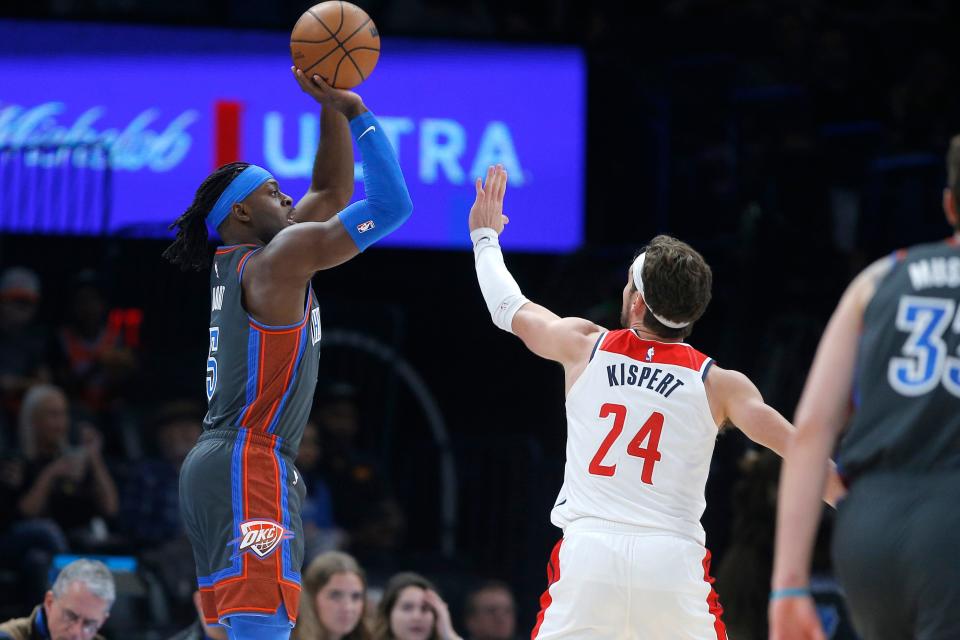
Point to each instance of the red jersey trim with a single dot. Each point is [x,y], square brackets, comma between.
[627,343]
[229,249]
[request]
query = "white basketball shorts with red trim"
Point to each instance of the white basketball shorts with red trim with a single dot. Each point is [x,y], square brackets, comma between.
[613,582]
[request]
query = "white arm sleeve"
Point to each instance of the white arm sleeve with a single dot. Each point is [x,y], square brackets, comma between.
[500,291]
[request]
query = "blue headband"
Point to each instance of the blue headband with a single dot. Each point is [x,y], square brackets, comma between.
[242,186]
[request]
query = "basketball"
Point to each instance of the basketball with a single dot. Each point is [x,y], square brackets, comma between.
[336,41]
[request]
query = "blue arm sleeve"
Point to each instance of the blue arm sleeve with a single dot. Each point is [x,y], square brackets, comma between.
[388,203]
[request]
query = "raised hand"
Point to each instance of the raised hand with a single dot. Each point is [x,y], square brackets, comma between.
[487,209]
[346,102]
[440,609]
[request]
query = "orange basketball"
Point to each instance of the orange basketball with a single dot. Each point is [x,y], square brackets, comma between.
[336,41]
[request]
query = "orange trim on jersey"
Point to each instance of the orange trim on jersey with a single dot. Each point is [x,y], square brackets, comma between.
[243,261]
[627,343]
[232,248]
[553,575]
[713,600]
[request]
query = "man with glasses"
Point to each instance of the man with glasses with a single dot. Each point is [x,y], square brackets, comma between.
[74,609]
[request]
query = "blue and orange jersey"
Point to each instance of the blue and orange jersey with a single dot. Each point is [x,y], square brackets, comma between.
[259,377]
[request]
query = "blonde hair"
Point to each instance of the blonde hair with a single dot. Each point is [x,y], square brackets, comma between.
[315,578]
[32,399]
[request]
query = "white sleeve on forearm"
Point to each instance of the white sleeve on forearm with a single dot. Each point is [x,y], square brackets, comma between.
[500,291]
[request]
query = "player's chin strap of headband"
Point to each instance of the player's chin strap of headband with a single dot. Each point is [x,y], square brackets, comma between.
[638,282]
[241,186]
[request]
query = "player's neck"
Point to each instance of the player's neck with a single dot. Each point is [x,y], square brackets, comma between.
[643,334]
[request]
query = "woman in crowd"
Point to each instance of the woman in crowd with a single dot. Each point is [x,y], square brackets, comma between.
[411,609]
[332,600]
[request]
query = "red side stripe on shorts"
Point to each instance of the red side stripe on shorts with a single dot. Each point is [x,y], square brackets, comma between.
[553,575]
[713,600]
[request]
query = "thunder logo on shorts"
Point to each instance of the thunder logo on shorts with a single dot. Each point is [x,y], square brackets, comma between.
[260,537]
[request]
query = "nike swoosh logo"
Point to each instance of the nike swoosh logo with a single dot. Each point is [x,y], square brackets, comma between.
[368,130]
[296,477]
[562,502]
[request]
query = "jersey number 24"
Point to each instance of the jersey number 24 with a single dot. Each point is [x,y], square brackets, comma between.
[649,432]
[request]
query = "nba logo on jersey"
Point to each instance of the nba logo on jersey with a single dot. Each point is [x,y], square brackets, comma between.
[261,536]
[650,353]
[314,325]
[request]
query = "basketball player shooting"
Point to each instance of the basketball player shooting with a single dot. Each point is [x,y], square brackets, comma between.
[240,495]
[643,412]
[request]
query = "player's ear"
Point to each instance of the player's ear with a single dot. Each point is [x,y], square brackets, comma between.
[240,212]
[950,207]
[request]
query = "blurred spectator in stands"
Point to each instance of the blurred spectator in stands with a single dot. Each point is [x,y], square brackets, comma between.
[320,532]
[411,609]
[362,505]
[149,504]
[74,608]
[490,612]
[23,346]
[94,352]
[200,630]
[743,576]
[57,494]
[333,600]
[70,485]
[150,514]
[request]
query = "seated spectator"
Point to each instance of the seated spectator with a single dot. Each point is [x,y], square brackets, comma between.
[51,491]
[75,607]
[69,485]
[320,532]
[490,612]
[150,503]
[411,609]
[363,507]
[23,346]
[333,600]
[200,630]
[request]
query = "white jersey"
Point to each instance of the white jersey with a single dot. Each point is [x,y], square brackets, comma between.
[640,436]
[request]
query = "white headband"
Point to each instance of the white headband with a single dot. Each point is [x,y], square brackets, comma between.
[638,282]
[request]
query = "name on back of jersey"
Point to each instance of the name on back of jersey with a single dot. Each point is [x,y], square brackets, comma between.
[216,296]
[649,377]
[938,271]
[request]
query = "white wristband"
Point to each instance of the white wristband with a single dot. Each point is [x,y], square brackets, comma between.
[500,291]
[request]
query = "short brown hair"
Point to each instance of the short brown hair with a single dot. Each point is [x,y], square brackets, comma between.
[677,283]
[953,173]
[315,578]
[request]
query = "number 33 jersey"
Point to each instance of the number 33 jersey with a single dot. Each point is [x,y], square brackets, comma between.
[907,386]
[640,437]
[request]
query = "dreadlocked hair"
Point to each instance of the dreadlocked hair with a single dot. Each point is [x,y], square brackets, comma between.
[189,250]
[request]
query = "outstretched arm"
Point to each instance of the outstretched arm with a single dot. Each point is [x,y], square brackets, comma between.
[331,183]
[274,279]
[734,398]
[821,414]
[564,340]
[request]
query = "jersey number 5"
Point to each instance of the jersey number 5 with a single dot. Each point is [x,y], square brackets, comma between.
[212,362]
[650,431]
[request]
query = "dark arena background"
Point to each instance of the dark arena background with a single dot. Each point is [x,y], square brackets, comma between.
[790,142]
